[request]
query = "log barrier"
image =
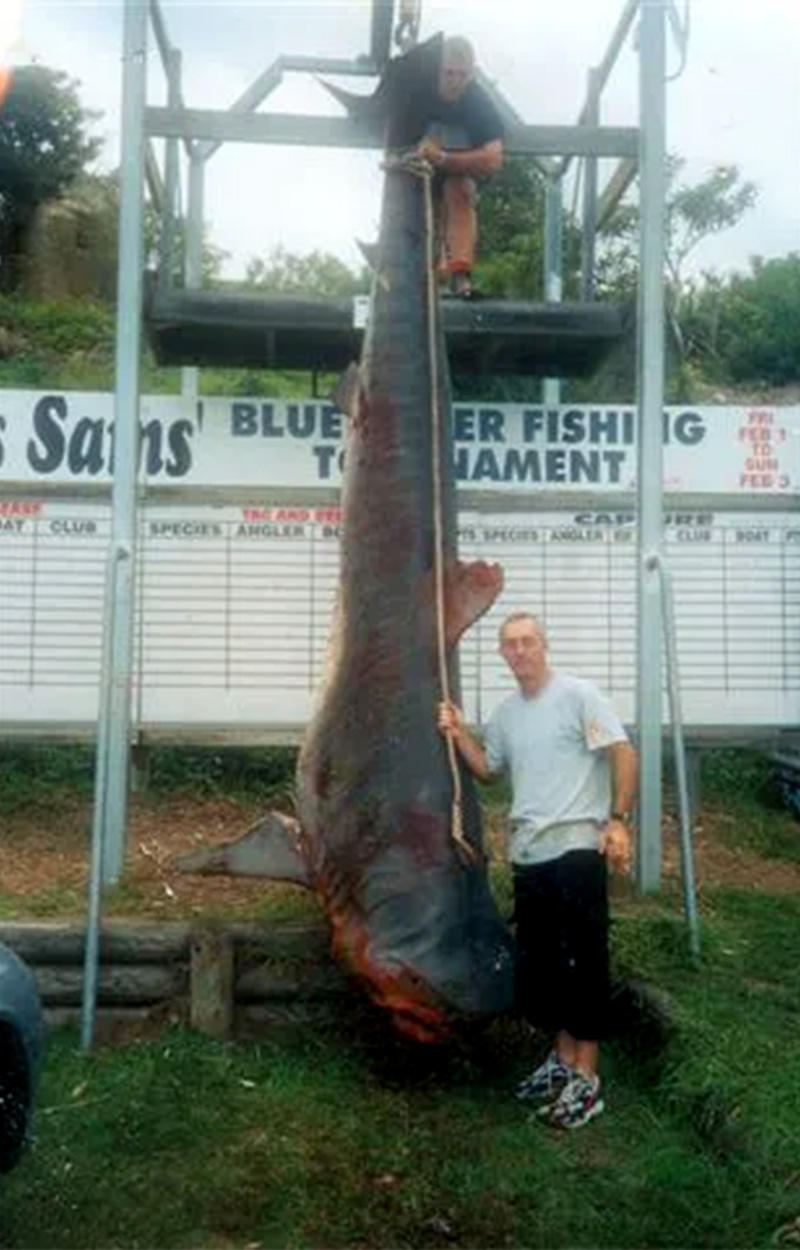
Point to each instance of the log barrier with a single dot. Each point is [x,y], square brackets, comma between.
[241,979]
[220,977]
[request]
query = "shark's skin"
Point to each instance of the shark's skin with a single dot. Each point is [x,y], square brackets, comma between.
[412,915]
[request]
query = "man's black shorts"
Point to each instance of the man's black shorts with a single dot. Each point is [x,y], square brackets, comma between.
[561,912]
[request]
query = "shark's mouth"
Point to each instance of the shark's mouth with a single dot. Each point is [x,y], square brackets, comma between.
[410,1003]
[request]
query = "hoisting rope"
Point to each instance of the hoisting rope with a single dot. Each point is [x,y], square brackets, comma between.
[407,31]
[413,164]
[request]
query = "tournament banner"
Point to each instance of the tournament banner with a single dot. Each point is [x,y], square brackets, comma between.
[68,438]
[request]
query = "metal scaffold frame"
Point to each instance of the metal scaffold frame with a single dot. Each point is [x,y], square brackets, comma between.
[201,132]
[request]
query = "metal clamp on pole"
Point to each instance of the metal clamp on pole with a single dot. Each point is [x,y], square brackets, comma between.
[654,562]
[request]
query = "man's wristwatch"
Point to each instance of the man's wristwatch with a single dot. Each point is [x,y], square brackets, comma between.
[624,817]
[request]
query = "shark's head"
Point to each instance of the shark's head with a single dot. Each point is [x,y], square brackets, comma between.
[427,943]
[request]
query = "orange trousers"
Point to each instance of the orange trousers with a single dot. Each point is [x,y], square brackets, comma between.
[6,74]
[457,223]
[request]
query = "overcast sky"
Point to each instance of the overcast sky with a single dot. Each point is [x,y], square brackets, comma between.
[736,101]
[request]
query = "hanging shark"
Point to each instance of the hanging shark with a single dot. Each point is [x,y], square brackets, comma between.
[411,911]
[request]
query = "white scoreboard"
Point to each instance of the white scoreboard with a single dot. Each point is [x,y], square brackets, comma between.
[236,582]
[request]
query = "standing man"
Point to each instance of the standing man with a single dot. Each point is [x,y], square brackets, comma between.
[463,140]
[573,778]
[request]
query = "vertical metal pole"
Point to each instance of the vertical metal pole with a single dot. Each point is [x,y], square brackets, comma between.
[381,37]
[652,158]
[166,269]
[94,913]
[553,262]
[589,229]
[679,752]
[190,378]
[114,723]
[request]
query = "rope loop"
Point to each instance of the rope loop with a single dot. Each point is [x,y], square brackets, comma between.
[408,162]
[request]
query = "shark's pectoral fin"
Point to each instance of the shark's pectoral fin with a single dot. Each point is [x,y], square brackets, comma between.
[345,393]
[270,849]
[469,591]
[372,255]
[369,251]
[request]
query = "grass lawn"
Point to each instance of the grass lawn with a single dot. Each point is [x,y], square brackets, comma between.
[341,1137]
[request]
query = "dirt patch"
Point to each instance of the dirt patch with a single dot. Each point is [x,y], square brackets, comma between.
[44,861]
[45,856]
[718,863]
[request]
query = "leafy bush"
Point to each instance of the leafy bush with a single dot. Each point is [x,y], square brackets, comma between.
[59,328]
[70,345]
[42,774]
[62,328]
[748,327]
[738,773]
[208,771]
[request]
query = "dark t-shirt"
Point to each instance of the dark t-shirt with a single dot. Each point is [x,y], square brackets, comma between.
[470,121]
[473,112]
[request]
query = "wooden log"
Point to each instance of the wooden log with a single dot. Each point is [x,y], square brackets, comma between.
[250,1019]
[120,943]
[211,1010]
[139,942]
[117,1021]
[261,984]
[256,1019]
[210,978]
[282,940]
[124,984]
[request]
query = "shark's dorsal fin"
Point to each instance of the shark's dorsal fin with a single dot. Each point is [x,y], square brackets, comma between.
[271,848]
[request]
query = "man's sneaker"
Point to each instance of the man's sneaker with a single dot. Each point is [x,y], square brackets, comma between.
[546,1082]
[577,1104]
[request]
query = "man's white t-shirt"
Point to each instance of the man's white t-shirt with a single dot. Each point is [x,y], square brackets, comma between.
[553,746]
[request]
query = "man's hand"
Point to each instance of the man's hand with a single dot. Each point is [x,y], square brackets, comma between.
[432,152]
[615,844]
[450,719]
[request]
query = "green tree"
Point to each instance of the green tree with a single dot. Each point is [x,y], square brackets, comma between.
[511,222]
[45,144]
[747,326]
[95,200]
[212,258]
[692,214]
[316,273]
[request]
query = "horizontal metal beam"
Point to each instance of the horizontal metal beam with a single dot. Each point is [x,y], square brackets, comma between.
[265,84]
[341,132]
[363,66]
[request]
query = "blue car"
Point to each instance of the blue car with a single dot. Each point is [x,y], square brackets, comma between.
[21,1046]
